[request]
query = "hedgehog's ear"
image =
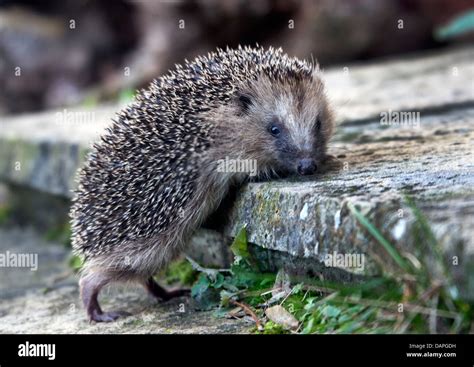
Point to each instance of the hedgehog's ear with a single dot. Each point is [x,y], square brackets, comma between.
[245,101]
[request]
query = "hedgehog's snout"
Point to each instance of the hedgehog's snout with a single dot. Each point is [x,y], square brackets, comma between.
[306,166]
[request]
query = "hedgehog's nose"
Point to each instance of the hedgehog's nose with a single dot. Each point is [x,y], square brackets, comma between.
[306,166]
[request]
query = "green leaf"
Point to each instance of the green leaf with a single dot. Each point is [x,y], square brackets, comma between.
[205,297]
[274,328]
[200,286]
[219,281]
[244,277]
[331,311]
[239,246]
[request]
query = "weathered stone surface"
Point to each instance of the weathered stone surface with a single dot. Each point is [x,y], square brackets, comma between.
[210,248]
[47,300]
[429,158]
[43,151]
[59,312]
[429,83]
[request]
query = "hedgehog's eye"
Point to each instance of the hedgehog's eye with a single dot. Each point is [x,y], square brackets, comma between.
[274,130]
[318,124]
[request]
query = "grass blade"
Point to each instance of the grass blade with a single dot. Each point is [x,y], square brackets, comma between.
[392,251]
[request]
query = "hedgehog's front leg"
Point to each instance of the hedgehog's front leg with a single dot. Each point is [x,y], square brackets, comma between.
[159,292]
[90,285]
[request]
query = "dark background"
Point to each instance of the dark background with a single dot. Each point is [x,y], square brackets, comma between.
[83,52]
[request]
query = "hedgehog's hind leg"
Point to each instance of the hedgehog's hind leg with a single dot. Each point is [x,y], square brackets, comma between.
[90,285]
[159,292]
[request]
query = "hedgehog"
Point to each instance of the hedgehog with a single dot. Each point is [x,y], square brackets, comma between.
[153,177]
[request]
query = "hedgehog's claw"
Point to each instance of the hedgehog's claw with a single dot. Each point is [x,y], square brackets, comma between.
[159,292]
